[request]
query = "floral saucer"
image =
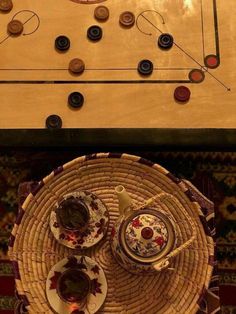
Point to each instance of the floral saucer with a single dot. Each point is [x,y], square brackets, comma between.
[97,293]
[97,226]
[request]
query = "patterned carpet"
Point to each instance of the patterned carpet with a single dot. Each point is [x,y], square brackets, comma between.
[214,174]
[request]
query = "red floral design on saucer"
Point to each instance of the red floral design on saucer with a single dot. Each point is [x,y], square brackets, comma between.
[97,293]
[97,226]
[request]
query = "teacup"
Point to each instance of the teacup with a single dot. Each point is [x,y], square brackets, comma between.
[73,214]
[73,286]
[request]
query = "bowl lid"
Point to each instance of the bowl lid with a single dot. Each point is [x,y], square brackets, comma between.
[147,235]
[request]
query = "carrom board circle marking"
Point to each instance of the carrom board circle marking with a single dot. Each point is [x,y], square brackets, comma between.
[87,1]
[34,15]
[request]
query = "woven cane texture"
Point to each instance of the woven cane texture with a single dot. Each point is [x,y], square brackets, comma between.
[34,249]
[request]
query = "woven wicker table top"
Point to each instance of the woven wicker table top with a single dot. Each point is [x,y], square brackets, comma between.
[34,250]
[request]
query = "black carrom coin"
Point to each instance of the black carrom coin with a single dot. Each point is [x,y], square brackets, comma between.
[165,41]
[145,67]
[62,43]
[94,33]
[53,122]
[76,100]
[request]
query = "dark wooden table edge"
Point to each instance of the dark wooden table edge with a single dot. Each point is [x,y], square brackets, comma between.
[120,138]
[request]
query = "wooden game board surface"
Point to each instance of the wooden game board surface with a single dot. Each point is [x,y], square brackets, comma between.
[35,81]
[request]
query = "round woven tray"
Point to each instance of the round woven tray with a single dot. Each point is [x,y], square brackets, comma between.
[34,250]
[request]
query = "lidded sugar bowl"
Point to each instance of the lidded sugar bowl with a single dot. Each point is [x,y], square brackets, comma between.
[144,239]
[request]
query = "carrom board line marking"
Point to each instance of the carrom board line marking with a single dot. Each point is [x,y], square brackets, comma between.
[126,69]
[216,40]
[33,15]
[185,52]
[203,31]
[216,28]
[29,19]
[4,39]
[101,69]
[219,81]
[141,14]
[131,82]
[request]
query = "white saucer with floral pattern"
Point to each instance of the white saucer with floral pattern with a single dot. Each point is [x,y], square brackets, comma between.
[97,225]
[98,286]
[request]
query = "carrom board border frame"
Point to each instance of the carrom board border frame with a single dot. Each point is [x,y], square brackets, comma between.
[104,139]
[124,138]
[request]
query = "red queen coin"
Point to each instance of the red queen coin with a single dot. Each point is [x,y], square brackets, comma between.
[182,94]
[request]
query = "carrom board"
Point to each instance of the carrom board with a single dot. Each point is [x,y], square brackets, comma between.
[35,81]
